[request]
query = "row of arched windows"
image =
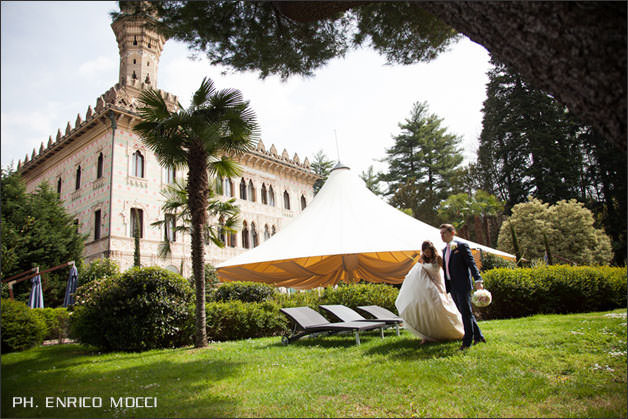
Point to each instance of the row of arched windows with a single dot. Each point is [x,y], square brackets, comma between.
[249,235]
[79,171]
[248,192]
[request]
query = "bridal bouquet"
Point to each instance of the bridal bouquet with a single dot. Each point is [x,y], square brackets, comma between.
[481,298]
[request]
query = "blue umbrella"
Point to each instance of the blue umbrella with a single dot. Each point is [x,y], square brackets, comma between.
[36,300]
[71,287]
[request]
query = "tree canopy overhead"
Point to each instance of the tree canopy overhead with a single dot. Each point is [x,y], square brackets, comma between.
[575,51]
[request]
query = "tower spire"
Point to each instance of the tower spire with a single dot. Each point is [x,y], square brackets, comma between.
[140,48]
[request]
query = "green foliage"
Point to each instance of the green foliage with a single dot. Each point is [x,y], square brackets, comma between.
[463,209]
[247,292]
[258,36]
[321,165]
[57,321]
[422,164]
[553,289]
[568,227]
[310,298]
[144,308]
[21,327]
[234,320]
[362,295]
[36,231]
[371,180]
[97,269]
[490,261]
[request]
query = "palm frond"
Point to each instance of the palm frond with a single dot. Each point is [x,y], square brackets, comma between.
[204,93]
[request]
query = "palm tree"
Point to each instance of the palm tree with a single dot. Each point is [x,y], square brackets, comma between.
[176,204]
[216,126]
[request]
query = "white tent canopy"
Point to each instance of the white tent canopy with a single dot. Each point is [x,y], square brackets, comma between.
[347,233]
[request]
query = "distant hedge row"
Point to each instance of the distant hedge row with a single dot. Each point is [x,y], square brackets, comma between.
[553,289]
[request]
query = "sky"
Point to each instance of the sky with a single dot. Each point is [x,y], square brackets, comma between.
[58,57]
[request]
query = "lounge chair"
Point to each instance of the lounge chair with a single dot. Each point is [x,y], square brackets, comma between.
[346,314]
[381,314]
[309,322]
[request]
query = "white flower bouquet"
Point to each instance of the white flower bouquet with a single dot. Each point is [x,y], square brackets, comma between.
[481,298]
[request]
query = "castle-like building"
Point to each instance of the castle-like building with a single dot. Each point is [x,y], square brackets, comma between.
[107,178]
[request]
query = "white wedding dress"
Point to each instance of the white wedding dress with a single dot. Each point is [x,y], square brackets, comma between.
[427,312]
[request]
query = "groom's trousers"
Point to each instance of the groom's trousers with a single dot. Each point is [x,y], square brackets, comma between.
[471,329]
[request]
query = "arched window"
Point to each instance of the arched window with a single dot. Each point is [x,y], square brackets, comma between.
[218,185]
[99,166]
[137,221]
[264,194]
[59,182]
[170,231]
[286,200]
[266,233]
[303,203]
[138,164]
[78,178]
[245,236]
[254,237]
[228,187]
[242,189]
[221,230]
[272,233]
[171,174]
[232,240]
[271,196]
[251,191]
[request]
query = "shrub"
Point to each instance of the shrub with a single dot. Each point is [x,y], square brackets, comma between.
[490,261]
[97,269]
[21,328]
[57,321]
[362,295]
[248,292]
[298,299]
[553,289]
[144,308]
[233,320]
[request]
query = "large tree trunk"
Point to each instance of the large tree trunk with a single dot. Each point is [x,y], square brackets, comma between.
[575,51]
[197,187]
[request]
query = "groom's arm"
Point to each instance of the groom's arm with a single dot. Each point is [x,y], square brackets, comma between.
[470,262]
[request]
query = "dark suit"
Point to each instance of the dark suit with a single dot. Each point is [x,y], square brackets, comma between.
[458,284]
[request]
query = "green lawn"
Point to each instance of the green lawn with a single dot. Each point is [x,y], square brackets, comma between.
[541,366]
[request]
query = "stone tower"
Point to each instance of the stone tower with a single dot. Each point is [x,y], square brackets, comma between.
[140,48]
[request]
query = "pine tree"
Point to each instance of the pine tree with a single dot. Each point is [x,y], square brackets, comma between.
[422,164]
[321,165]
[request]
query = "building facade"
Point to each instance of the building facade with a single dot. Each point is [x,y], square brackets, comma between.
[107,178]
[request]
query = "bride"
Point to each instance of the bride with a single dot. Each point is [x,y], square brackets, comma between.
[426,308]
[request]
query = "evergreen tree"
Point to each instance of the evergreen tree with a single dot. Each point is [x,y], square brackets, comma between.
[321,165]
[371,180]
[422,164]
[36,231]
[529,142]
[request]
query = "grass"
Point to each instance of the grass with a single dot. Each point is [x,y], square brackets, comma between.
[541,366]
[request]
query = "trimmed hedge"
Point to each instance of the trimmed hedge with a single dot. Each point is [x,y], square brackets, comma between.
[144,308]
[248,292]
[57,322]
[21,327]
[553,289]
[362,295]
[299,299]
[233,320]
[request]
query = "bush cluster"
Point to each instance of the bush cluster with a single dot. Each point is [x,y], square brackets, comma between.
[248,292]
[233,320]
[490,261]
[97,269]
[362,295]
[21,327]
[57,321]
[553,289]
[144,308]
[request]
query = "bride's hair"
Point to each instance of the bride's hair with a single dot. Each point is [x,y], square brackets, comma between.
[428,245]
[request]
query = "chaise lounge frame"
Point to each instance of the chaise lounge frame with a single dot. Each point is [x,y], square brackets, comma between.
[346,314]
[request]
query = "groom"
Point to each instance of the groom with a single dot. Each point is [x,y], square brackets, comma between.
[459,265]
